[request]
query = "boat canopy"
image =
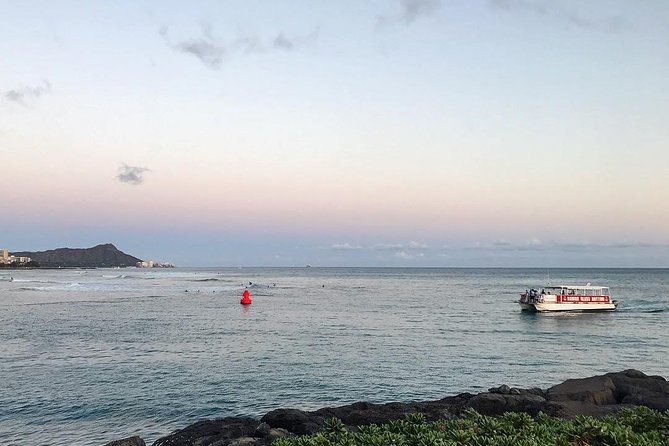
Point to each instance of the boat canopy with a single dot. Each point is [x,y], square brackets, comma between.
[582,290]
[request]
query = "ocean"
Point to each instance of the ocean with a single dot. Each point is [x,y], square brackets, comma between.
[90,356]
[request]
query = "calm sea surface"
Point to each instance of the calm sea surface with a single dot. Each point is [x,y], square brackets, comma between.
[89,356]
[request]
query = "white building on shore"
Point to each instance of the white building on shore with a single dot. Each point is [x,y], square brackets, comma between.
[5,258]
[152,264]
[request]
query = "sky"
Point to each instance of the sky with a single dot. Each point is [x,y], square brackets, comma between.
[338,133]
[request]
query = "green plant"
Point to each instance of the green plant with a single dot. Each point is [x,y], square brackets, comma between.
[631,427]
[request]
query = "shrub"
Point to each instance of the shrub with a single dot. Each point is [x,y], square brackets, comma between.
[630,427]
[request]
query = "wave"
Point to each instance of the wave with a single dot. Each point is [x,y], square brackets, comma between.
[37,281]
[643,310]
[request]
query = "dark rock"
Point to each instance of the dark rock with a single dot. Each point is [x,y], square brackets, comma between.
[497,404]
[294,420]
[219,432]
[514,391]
[278,433]
[534,391]
[631,373]
[245,441]
[130,441]
[634,387]
[597,390]
[503,389]
[262,430]
[570,409]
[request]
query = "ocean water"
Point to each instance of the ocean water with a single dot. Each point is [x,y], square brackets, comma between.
[89,356]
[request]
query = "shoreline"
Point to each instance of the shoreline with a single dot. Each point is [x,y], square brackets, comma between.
[595,396]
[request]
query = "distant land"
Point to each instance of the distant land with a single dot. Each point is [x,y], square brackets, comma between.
[100,256]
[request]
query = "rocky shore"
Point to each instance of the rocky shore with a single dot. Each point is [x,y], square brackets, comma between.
[596,396]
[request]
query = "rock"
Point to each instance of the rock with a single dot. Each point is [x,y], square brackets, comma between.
[598,390]
[514,391]
[130,441]
[262,430]
[534,391]
[219,432]
[631,373]
[634,387]
[503,389]
[570,409]
[277,433]
[245,441]
[497,404]
[294,420]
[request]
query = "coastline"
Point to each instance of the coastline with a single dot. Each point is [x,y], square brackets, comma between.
[595,396]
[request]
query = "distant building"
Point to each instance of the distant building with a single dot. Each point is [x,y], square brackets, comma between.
[6,258]
[152,264]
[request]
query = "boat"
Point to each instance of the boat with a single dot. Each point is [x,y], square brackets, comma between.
[568,298]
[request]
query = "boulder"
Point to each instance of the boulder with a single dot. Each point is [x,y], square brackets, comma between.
[245,441]
[634,387]
[294,420]
[277,433]
[497,403]
[597,390]
[130,441]
[503,389]
[219,432]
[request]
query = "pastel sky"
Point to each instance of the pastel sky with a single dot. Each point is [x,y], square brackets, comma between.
[338,133]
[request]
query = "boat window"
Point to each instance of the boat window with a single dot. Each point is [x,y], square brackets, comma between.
[605,291]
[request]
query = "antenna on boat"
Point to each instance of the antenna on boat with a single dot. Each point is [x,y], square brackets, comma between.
[548,277]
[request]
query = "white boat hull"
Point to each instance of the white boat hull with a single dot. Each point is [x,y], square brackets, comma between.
[541,307]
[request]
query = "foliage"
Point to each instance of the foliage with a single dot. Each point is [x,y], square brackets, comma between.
[639,426]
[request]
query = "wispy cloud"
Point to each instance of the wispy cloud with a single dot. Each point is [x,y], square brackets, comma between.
[404,255]
[410,11]
[212,52]
[562,246]
[388,246]
[411,246]
[25,95]
[205,48]
[131,174]
[560,12]
[417,246]
[345,247]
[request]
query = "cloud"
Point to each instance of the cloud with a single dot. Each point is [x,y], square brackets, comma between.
[131,174]
[25,95]
[388,246]
[560,12]
[411,246]
[212,52]
[410,11]
[417,246]
[559,246]
[345,247]
[407,255]
[282,42]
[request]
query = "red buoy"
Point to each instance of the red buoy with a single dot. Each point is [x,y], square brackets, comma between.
[246,298]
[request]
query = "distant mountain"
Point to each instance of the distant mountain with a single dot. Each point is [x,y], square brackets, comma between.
[98,256]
